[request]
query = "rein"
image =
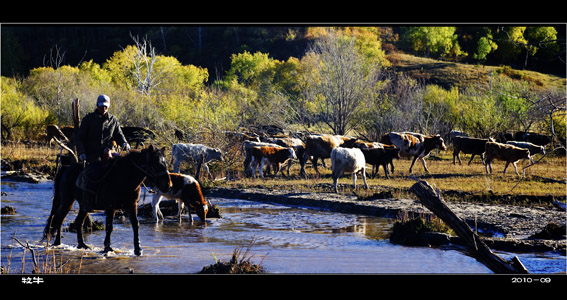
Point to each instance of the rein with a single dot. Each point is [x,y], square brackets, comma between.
[103,177]
[146,172]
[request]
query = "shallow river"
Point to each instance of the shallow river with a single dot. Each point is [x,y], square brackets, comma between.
[284,240]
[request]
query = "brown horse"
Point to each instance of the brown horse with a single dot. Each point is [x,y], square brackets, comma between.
[119,188]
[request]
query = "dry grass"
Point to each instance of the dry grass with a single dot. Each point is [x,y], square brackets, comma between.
[447,74]
[44,261]
[239,263]
[544,179]
[30,156]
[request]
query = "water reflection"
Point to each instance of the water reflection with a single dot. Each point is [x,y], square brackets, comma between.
[288,239]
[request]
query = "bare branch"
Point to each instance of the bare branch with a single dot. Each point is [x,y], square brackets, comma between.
[534,163]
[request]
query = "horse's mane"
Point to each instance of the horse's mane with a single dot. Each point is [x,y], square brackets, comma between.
[134,153]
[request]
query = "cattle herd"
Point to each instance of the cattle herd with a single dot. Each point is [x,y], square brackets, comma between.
[351,155]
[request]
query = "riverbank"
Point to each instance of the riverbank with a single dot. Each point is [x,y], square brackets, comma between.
[504,224]
[507,227]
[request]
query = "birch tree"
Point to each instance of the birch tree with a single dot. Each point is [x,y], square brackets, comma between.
[341,80]
[144,70]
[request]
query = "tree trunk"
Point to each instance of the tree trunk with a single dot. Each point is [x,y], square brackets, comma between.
[433,201]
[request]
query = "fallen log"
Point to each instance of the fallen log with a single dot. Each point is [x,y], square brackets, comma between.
[433,201]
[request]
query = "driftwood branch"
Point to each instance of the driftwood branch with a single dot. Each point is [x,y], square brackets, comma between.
[433,201]
[66,148]
[535,162]
[28,247]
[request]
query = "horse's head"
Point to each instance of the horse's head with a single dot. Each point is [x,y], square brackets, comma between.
[157,167]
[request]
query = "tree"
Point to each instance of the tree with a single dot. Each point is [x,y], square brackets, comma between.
[485,46]
[519,43]
[144,71]
[19,112]
[432,41]
[541,40]
[342,79]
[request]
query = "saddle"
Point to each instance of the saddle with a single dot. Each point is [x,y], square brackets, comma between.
[91,182]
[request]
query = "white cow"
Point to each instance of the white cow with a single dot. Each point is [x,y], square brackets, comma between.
[414,144]
[533,148]
[348,160]
[195,152]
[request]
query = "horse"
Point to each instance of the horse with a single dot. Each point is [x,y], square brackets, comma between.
[119,188]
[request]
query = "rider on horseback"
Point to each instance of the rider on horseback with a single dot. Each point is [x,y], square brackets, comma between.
[95,137]
[97,131]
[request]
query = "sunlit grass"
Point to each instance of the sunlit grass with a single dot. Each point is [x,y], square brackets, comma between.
[545,178]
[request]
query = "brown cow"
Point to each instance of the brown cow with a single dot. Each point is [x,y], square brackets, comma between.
[274,156]
[360,144]
[507,153]
[469,145]
[297,145]
[320,146]
[186,191]
[414,144]
[247,148]
[381,157]
[534,149]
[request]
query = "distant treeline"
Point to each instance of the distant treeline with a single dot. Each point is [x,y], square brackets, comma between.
[24,47]
[342,83]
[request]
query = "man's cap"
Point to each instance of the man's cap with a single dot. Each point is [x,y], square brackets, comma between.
[103,100]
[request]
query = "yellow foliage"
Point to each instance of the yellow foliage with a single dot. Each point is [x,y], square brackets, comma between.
[19,114]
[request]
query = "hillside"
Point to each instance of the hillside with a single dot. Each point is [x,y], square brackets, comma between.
[449,74]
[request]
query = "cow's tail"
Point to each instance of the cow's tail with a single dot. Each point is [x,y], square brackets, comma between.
[333,161]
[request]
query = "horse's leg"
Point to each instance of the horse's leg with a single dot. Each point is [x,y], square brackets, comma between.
[48,230]
[79,222]
[56,225]
[109,218]
[135,226]
[57,221]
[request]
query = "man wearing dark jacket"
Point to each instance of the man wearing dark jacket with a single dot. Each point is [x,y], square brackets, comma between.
[97,131]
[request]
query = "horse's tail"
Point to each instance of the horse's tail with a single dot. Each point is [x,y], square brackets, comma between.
[56,202]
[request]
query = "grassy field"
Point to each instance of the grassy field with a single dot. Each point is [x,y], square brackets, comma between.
[544,181]
[448,74]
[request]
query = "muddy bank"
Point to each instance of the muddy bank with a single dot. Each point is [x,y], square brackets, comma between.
[20,176]
[508,227]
